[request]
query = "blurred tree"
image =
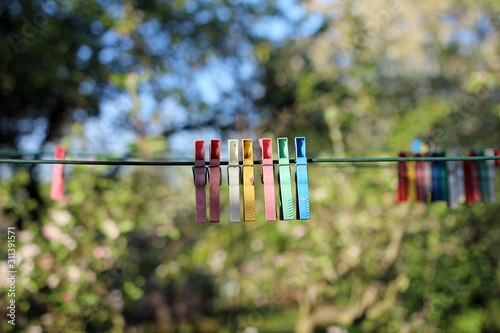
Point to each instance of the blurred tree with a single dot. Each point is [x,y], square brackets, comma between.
[355,78]
[373,75]
[60,60]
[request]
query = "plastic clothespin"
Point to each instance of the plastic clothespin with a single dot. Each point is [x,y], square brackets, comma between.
[302,180]
[475,179]
[413,183]
[416,146]
[402,194]
[443,178]
[214,175]
[460,177]
[412,180]
[483,177]
[436,179]
[419,170]
[285,181]
[427,177]
[452,184]
[200,180]
[490,166]
[248,180]
[497,153]
[57,185]
[469,197]
[267,174]
[233,180]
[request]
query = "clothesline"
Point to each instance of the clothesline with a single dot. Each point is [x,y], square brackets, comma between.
[309,160]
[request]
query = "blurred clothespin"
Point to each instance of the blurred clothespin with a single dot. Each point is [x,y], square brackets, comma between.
[460,177]
[452,184]
[416,146]
[427,177]
[436,179]
[419,171]
[248,180]
[497,153]
[475,179]
[285,181]
[233,179]
[443,178]
[402,194]
[200,180]
[413,181]
[302,180]
[57,185]
[483,177]
[267,175]
[214,174]
[490,166]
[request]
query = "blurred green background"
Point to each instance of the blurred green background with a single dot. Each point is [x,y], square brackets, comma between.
[145,78]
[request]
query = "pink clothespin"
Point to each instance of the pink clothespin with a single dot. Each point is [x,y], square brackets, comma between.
[57,186]
[267,176]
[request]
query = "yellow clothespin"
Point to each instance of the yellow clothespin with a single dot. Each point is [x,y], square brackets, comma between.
[248,180]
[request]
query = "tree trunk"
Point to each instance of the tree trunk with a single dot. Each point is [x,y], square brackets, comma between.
[305,321]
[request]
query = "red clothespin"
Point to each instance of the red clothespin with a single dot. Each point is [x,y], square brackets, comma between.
[200,180]
[476,182]
[497,153]
[267,173]
[215,179]
[421,196]
[57,186]
[402,194]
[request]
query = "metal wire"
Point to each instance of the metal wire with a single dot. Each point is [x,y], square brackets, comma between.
[309,160]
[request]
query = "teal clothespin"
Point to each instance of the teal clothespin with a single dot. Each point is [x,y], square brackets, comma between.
[301,179]
[285,181]
[483,175]
[443,178]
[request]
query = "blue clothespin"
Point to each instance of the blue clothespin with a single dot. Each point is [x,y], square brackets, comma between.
[436,179]
[416,146]
[302,179]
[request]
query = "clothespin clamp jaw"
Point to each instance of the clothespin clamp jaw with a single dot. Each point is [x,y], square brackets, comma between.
[242,168]
[262,170]
[200,180]
[248,181]
[233,180]
[239,174]
[267,178]
[302,179]
[285,181]
[196,178]
[209,167]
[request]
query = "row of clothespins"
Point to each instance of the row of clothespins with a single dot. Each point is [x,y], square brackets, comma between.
[456,182]
[244,175]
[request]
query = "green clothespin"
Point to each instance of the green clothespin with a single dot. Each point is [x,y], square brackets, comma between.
[443,178]
[285,181]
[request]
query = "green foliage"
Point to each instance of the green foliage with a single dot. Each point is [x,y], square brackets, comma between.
[122,252]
